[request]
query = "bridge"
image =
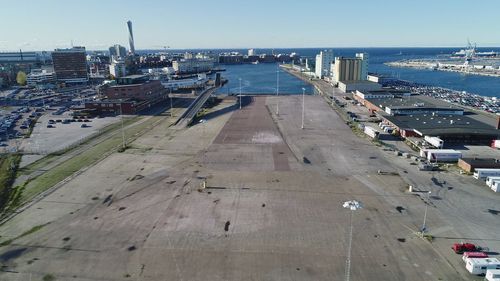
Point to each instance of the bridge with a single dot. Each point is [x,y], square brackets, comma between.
[187,117]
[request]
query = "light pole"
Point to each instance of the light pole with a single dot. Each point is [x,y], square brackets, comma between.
[123,130]
[353,205]
[303,106]
[425,213]
[171,103]
[240,91]
[277,89]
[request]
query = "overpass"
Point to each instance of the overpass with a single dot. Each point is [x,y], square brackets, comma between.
[187,117]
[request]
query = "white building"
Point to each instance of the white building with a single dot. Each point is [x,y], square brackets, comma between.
[40,77]
[323,61]
[193,65]
[197,82]
[252,52]
[117,68]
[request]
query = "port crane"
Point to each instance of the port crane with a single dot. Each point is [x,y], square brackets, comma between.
[470,53]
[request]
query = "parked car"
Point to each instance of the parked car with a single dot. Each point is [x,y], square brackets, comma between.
[50,126]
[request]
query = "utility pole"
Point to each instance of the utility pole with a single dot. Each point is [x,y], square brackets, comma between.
[124,145]
[240,92]
[171,104]
[424,227]
[277,90]
[352,205]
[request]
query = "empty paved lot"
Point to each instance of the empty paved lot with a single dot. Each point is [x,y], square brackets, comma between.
[265,214]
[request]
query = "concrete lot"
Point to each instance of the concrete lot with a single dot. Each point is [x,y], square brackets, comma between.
[271,209]
[45,140]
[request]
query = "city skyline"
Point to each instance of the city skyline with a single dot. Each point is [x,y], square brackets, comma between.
[256,24]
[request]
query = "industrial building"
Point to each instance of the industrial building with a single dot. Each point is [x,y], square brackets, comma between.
[403,103]
[470,164]
[452,129]
[19,57]
[380,94]
[355,85]
[351,69]
[323,62]
[129,95]
[70,65]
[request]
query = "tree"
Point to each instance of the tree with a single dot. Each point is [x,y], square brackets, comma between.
[21,78]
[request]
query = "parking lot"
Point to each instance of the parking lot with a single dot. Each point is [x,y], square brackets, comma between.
[49,137]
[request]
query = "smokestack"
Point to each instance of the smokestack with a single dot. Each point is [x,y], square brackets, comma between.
[498,122]
[131,38]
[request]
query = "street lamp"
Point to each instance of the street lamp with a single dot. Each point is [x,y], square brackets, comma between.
[171,103]
[425,214]
[277,89]
[303,106]
[124,145]
[352,205]
[240,91]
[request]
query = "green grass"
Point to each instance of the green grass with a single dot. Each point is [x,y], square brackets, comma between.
[41,163]
[8,169]
[76,163]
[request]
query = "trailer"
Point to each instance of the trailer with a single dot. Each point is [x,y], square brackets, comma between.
[491,180]
[492,275]
[479,266]
[496,186]
[443,155]
[483,173]
[434,141]
[371,132]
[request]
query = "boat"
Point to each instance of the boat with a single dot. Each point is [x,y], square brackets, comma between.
[255,62]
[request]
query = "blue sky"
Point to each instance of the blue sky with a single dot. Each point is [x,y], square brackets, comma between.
[97,24]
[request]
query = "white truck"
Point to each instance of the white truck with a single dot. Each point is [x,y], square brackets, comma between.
[478,266]
[483,173]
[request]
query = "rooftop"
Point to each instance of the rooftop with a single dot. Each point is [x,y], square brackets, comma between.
[440,125]
[415,101]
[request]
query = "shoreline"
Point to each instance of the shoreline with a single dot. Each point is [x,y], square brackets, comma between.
[472,102]
[448,68]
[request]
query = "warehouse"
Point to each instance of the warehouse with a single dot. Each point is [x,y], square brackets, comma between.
[452,129]
[413,105]
[469,164]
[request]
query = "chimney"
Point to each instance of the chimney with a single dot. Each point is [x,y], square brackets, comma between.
[498,122]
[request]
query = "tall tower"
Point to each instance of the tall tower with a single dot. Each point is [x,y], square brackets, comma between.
[131,37]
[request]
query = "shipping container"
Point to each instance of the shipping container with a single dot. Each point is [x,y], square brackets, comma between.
[483,173]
